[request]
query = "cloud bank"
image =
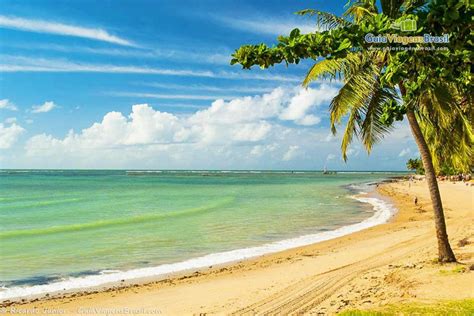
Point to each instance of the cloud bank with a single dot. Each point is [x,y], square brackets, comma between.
[10,131]
[276,130]
[263,124]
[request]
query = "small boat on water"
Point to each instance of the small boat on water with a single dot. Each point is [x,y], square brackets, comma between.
[325,171]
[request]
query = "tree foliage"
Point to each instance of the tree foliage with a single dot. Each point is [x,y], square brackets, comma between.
[415,164]
[437,84]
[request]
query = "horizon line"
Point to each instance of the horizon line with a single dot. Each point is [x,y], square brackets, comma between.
[151,169]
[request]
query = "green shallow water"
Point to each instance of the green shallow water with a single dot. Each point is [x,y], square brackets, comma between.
[67,223]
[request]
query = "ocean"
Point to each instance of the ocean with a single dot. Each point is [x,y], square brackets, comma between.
[73,229]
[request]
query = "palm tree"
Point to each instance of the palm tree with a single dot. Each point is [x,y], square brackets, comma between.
[450,137]
[415,164]
[369,98]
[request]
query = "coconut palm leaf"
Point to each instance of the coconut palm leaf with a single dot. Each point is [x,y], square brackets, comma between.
[332,69]
[360,97]
[324,69]
[447,127]
[360,9]
[391,7]
[325,20]
[353,94]
[412,5]
[350,131]
[372,130]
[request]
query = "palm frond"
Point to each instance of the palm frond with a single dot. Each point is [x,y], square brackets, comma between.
[362,97]
[355,98]
[332,69]
[358,86]
[353,94]
[325,20]
[350,131]
[410,6]
[360,9]
[447,127]
[324,69]
[391,8]
[372,129]
[438,103]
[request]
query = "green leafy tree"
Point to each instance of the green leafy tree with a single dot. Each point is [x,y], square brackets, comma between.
[431,88]
[415,165]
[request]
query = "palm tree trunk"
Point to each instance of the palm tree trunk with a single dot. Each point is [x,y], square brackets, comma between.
[445,253]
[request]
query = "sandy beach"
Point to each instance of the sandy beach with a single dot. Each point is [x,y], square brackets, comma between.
[382,265]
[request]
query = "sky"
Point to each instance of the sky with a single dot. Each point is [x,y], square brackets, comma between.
[143,84]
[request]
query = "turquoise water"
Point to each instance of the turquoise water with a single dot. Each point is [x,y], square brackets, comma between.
[57,224]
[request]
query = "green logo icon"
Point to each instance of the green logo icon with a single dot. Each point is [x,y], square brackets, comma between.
[405,26]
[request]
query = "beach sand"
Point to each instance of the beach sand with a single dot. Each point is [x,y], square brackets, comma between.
[386,264]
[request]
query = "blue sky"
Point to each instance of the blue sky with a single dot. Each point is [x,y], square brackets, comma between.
[147,84]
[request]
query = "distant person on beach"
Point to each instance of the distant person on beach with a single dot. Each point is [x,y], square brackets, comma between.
[416,200]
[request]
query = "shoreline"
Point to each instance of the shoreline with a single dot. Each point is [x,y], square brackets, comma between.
[326,277]
[383,211]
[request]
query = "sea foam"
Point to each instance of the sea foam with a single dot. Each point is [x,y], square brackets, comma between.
[383,211]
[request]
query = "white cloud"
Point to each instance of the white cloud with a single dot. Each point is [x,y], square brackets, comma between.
[242,133]
[292,153]
[330,137]
[353,151]
[9,134]
[252,75]
[7,105]
[146,126]
[268,25]
[28,64]
[45,107]
[304,101]
[171,96]
[240,121]
[245,109]
[308,120]
[252,132]
[405,152]
[330,157]
[41,26]
[260,150]
[201,56]
[180,105]
[244,89]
